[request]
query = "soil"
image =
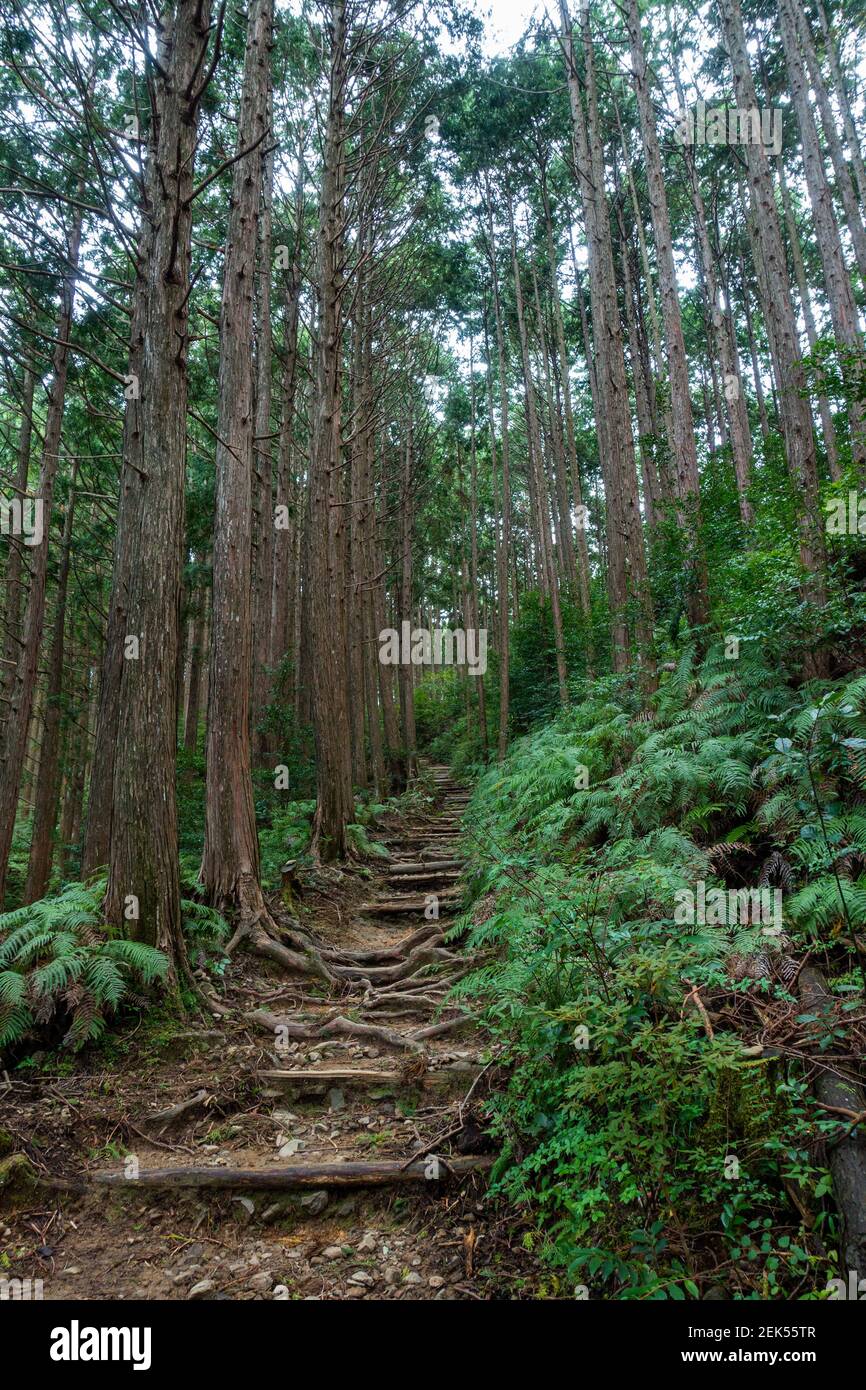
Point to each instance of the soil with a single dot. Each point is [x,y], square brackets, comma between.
[441,1237]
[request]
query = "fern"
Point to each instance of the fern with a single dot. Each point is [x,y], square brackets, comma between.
[58,962]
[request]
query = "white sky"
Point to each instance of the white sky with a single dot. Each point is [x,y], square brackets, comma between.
[507,21]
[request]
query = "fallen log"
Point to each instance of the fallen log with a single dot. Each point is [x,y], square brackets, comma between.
[421,880]
[424,866]
[347,1077]
[384,1173]
[846,1157]
[410,904]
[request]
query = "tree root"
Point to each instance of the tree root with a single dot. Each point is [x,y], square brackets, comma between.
[421,956]
[336,1026]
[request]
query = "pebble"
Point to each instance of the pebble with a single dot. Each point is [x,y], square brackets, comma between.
[367,1243]
[262,1283]
[332,1252]
[412,1278]
[360,1277]
[202,1289]
[315,1202]
[436,1281]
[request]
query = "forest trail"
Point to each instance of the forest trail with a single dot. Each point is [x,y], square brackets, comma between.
[340,1168]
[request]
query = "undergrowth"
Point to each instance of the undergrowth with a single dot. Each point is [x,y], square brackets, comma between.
[660,1151]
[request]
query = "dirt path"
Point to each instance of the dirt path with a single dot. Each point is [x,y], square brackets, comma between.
[342,1167]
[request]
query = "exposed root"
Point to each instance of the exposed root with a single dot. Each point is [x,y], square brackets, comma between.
[421,956]
[333,1027]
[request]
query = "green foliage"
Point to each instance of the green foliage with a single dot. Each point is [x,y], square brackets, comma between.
[622,1112]
[58,965]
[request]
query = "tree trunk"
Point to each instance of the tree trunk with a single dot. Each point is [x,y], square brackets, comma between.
[13,736]
[335,804]
[837,283]
[144,881]
[15,583]
[683,445]
[263,467]
[230,865]
[626,564]
[48,783]
[796,417]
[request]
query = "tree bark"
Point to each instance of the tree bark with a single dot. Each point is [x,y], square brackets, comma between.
[144,880]
[796,418]
[230,864]
[13,736]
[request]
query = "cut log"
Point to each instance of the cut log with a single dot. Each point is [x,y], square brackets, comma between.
[347,1078]
[399,909]
[424,866]
[429,881]
[385,1173]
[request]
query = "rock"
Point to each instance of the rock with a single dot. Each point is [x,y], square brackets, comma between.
[360,1276]
[412,1277]
[291,1147]
[332,1252]
[202,1289]
[367,1243]
[436,1281]
[315,1202]
[355,1291]
[336,1099]
[262,1283]
[248,1209]
[184,1275]
[392,1275]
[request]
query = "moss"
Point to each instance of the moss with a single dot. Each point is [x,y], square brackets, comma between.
[746,1106]
[17,1175]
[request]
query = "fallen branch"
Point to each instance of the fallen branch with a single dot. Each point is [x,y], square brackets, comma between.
[385,1173]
